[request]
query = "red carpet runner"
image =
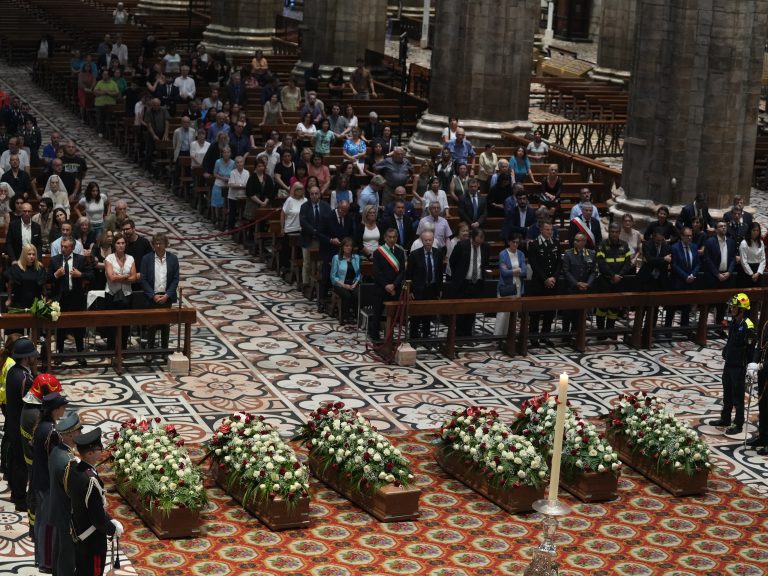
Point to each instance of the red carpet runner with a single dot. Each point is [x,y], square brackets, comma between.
[645,532]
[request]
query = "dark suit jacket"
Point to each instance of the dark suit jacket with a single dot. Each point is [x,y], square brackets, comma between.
[417,271]
[594,225]
[234,96]
[384,273]
[331,228]
[307,219]
[148,275]
[168,95]
[687,214]
[655,269]
[13,241]
[712,257]
[73,299]
[513,225]
[680,269]
[746,218]
[391,222]
[467,209]
[461,260]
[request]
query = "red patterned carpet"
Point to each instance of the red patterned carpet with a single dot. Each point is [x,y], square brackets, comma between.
[646,531]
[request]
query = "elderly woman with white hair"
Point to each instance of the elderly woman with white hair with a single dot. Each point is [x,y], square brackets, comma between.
[57,192]
[6,193]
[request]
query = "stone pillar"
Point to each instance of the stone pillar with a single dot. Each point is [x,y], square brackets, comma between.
[693,103]
[148,6]
[486,84]
[241,26]
[337,33]
[616,46]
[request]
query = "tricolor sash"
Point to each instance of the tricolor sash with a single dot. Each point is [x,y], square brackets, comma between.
[581,225]
[390,257]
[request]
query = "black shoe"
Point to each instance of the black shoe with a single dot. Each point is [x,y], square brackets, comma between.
[21,506]
[734,429]
[763,451]
[83,363]
[757,441]
[548,343]
[720,422]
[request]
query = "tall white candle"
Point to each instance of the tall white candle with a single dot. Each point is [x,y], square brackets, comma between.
[557,449]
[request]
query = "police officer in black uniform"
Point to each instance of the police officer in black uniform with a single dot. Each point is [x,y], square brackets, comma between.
[579,273]
[60,507]
[759,371]
[545,262]
[738,351]
[91,524]
[45,438]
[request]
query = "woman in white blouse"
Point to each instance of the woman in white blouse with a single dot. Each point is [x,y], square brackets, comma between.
[198,148]
[238,180]
[120,270]
[434,194]
[752,252]
[305,130]
[370,235]
[289,217]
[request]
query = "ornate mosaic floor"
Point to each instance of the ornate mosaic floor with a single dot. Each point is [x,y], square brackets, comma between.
[260,346]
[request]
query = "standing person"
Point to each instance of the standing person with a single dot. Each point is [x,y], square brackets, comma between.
[361,82]
[136,246]
[686,269]
[345,277]
[120,270]
[545,261]
[537,149]
[91,523]
[59,505]
[388,276]
[160,281]
[311,216]
[469,262]
[720,259]
[738,351]
[6,362]
[25,280]
[238,181]
[23,231]
[488,161]
[67,272]
[579,273]
[758,370]
[106,93]
[512,271]
[752,253]
[425,270]
[45,439]
[17,384]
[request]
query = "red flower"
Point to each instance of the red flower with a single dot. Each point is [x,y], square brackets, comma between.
[157,419]
[225,429]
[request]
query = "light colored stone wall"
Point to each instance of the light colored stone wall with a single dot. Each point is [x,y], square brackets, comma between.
[617,34]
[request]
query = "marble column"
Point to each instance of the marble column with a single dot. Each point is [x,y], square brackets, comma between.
[616,46]
[148,6]
[241,26]
[337,33]
[483,82]
[693,103]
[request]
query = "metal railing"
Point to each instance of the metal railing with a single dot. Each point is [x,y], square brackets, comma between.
[592,138]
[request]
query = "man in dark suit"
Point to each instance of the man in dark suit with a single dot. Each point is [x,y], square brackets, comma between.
[425,271]
[746,217]
[686,269]
[159,281]
[696,209]
[657,258]
[337,225]
[236,91]
[23,231]
[587,225]
[473,209]
[517,219]
[311,216]
[168,94]
[469,261]
[720,259]
[388,276]
[400,221]
[737,224]
[67,272]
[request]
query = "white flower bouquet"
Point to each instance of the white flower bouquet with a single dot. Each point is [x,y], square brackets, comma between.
[658,435]
[482,441]
[584,449]
[255,456]
[348,443]
[41,308]
[151,459]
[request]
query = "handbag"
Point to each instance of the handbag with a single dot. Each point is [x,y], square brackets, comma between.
[508,289]
[119,298]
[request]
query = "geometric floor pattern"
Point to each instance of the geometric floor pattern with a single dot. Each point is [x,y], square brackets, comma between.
[260,346]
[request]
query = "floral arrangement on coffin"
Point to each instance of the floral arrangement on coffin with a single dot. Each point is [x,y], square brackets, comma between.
[151,459]
[584,449]
[347,442]
[256,457]
[508,459]
[41,308]
[658,435]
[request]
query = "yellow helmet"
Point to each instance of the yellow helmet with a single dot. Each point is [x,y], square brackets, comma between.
[740,300]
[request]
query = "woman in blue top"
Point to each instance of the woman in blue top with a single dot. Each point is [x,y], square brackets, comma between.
[512,271]
[521,166]
[221,171]
[355,150]
[345,276]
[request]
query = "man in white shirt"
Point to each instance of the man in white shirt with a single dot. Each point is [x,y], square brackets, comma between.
[185,84]
[537,149]
[212,101]
[270,156]
[159,281]
[66,232]
[13,148]
[183,137]
[120,50]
